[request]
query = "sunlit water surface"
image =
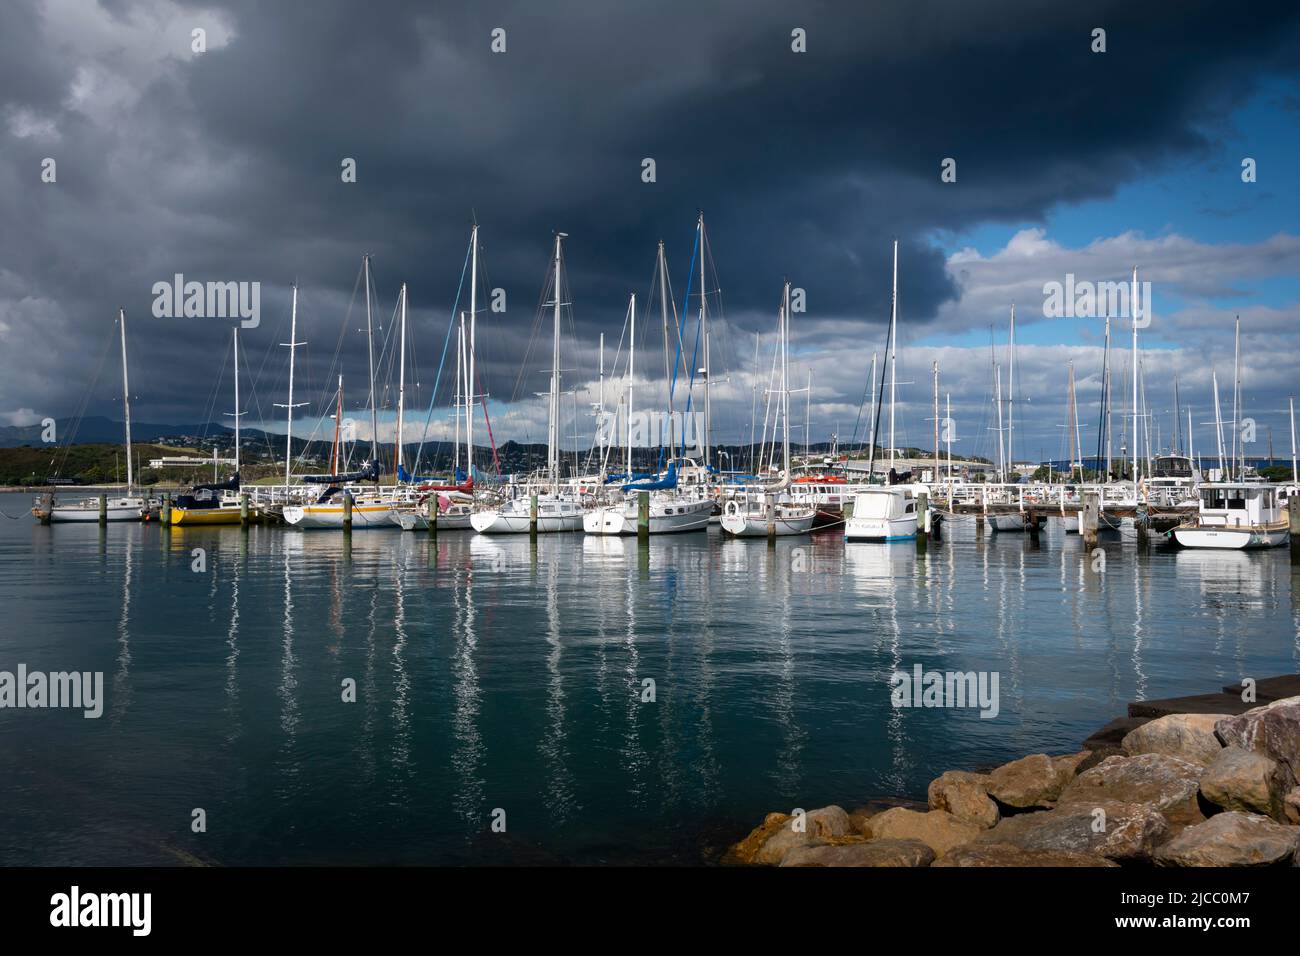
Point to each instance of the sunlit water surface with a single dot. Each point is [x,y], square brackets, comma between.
[494,674]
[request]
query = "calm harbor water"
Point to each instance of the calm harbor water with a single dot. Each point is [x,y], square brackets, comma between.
[494,674]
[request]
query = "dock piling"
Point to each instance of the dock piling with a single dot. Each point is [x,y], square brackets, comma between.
[1293,515]
[347,512]
[243,510]
[103,509]
[532,517]
[166,511]
[643,516]
[1089,518]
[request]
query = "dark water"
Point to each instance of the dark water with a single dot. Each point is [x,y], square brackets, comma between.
[491,675]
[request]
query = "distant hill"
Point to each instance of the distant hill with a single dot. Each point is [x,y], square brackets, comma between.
[98,429]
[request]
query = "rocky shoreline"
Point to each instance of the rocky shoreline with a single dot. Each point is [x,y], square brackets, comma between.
[1182,790]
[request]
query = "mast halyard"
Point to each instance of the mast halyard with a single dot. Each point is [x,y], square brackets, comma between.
[292,345]
[893,356]
[469,371]
[553,426]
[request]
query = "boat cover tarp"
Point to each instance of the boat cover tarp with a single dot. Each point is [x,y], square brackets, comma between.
[666,483]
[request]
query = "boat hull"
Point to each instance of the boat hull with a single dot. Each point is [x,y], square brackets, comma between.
[205,516]
[1006,523]
[500,522]
[1235,539]
[880,529]
[332,516]
[755,526]
[617,520]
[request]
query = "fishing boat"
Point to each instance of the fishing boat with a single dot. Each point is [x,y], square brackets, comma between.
[768,511]
[882,514]
[556,510]
[1236,515]
[129,507]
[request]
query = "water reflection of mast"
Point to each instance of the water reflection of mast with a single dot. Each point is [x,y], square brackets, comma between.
[788,759]
[401,680]
[288,680]
[122,679]
[1140,678]
[232,658]
[560,785]
[633,757]
[467,756]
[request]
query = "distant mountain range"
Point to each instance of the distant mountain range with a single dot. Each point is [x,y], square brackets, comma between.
[96,429]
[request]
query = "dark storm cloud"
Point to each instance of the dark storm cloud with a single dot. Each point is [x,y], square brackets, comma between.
[226,165]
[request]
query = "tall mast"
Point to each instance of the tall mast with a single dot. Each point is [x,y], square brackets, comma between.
[237,414]
[1191,438]
[1236,400]
[948,429]
[553,427]
[1105,399]
[997,400]
[1176,438]
[459,403]
[1011,395]
[1218,423]
[370,347]
[292,345]
[401,383]
[631,378]
[126,401]
[785,381]
[807,416]
[1133,311]
[661,264]
[338,418]
[893,356]
[936,422]
[1295,473]
[469,372]
[1072,424]
[872,432]
[704,331]
[600,409]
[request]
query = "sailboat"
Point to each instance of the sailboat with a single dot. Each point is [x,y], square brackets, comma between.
[128,507]
[555,511]
[886,513]
[670,510]
[763,513]
[1236,514]
[217,503]
[1014,521]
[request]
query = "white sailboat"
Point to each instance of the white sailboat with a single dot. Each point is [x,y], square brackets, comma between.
[1237,514]
[555,511]
[128,507]
[885,513]
[769,513]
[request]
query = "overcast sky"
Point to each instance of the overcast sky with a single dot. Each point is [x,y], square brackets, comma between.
[225,165]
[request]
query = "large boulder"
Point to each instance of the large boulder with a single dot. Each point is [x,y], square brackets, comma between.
[1231,838]
[871,853]
[1117,831]
[1291,805]
[966,796]
[814,828]
[781,833]
[1273,730]
[1189,736]
[1007,854]
[1168,784]
[746,851]
[937,829]
[1033,781]
[1244,780]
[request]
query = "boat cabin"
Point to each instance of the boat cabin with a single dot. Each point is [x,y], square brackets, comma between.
[884,503]
[1239,504]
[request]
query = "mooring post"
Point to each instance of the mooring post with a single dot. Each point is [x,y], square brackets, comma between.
[1293,514]
[770,501]
[1033,526]
[1088,519]
[432,503]
[1140,525]
[922,520]
[532,517]
[243,510]
[347,511]
[166,511]
[643,516]
[103,509]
